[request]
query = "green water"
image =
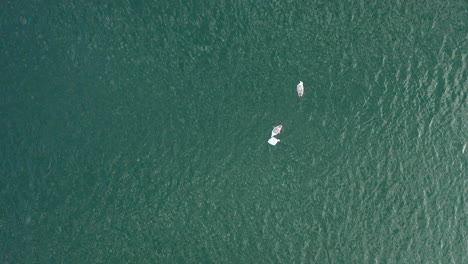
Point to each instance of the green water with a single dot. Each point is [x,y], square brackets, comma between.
[136,132]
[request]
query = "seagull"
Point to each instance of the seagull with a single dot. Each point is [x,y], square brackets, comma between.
[300,89]
[276,130]
[273,141]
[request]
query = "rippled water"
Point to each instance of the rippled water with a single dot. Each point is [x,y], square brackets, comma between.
[136,132]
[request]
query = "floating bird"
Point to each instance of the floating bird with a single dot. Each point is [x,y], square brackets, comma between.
[273,141]
[300,89]
[276,130]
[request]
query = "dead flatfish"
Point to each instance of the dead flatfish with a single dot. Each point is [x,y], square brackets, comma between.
[276,130]
[300,89]
[273,141]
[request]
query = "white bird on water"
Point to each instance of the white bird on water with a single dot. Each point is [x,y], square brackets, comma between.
[300,89]
[273,141]
[276,130]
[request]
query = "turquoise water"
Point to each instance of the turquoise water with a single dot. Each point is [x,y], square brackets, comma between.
[136,132]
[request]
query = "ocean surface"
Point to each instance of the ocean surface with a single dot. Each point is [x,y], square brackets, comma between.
[136,131]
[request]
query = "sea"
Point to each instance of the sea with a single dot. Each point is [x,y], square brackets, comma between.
[136,131]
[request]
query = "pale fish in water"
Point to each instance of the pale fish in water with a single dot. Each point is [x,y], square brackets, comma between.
[276,130]
[273,141]
[300,89]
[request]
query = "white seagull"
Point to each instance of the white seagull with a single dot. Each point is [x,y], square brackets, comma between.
[276,130]
[273,141]
[300,89]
